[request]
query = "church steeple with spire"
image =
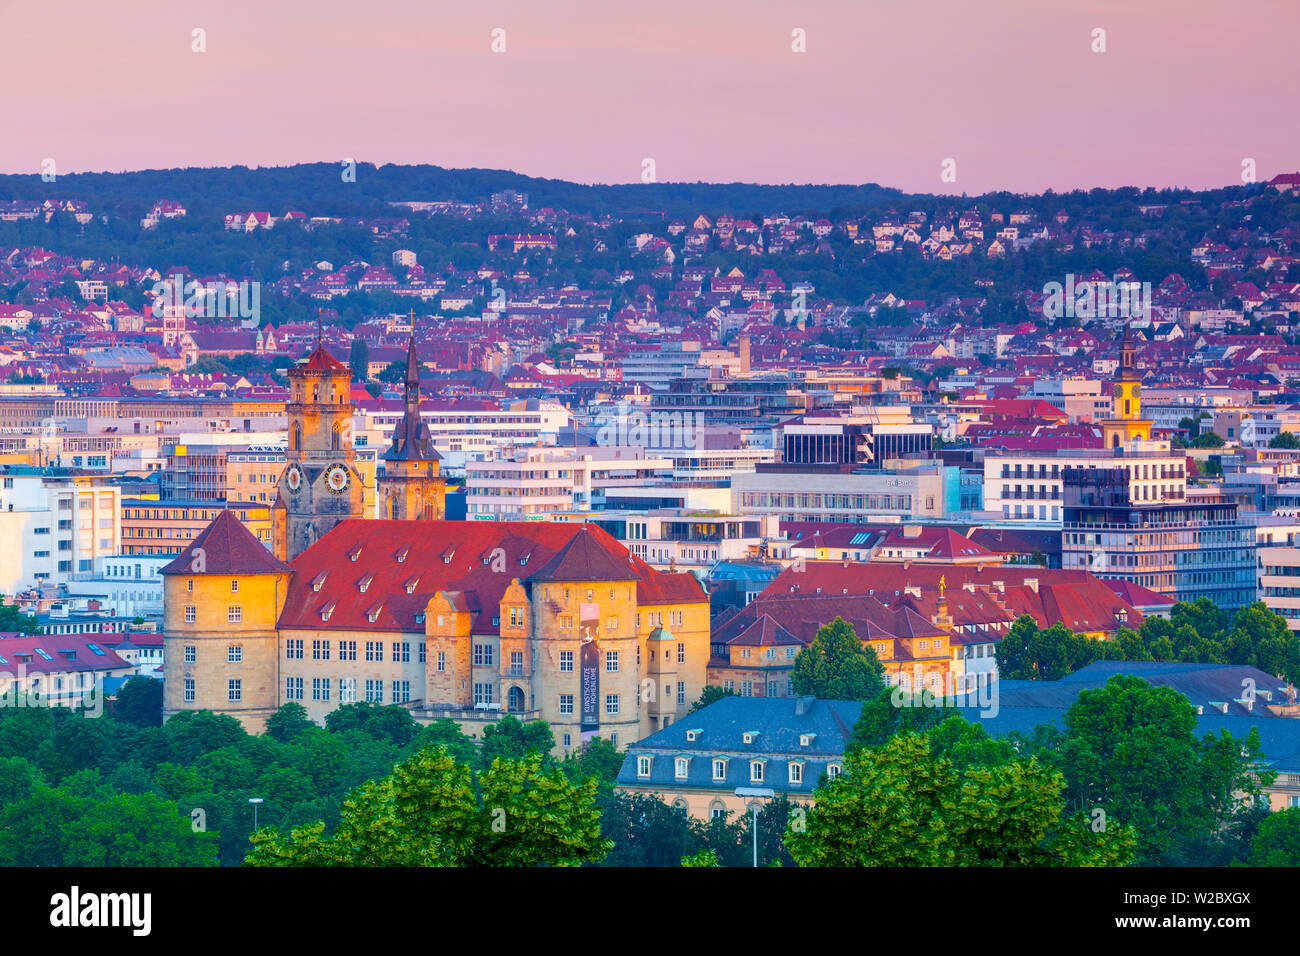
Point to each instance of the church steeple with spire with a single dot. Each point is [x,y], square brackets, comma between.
[1126,423]
[411,486]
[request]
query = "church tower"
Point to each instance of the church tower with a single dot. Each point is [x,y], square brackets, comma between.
[321,485]
[1126,423]
[411,487]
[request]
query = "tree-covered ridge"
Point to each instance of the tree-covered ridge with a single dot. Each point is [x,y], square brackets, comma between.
[319,189]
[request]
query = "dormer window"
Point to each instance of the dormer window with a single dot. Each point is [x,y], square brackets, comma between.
[693,735]
[524,558]
[719,769]
[681,766]
[419,618]
[796,771]
[326,611]
[373,614]
[401,555]
[354,553]
[410,585]
[643,766]
[448,555]
[805,740]
[750,736]
[833,770]
[364,584]
[757,770]
[318,581]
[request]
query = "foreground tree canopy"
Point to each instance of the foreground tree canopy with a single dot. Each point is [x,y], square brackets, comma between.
[428,812]
[909,804]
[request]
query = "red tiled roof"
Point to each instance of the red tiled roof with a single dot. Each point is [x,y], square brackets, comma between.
[473,562]
[321,361]
[228,547]
[976,594]
[25,650]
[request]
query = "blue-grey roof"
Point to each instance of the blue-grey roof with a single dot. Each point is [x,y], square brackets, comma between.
[722,726]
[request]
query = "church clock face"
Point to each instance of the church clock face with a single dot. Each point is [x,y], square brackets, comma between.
[337,479]
[293,478]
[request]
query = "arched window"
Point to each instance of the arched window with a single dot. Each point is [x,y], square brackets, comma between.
[717,810]
[295,437]
[336,437]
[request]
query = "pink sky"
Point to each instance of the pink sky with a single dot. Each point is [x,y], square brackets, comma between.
[587,89]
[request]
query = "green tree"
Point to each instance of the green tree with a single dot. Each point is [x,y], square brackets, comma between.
[598,758]
[512,739]
[288,722]
[1284,440]
[139,701]
[426,813]
[1277,842]
[835,666]
[359,360]
[1207,440]
[381,721]
[1130,750]
[710,695]
[903,805]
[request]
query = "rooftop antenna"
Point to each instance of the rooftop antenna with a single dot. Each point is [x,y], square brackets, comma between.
[319,328]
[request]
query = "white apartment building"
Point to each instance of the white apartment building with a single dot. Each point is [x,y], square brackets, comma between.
[537,481]
[864,497]
[466,432]
[1278,537]
[55,527]
[129,586]
[1027,486]
[683,539]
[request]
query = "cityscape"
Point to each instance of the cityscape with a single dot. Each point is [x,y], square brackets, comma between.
[391,514]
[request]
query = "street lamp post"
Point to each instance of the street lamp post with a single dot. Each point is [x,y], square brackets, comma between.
[753,795]
[255,801]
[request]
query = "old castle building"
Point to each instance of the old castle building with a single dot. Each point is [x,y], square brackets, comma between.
[557,622]
[550,621]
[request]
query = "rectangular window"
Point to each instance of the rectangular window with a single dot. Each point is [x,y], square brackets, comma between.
[401,652]
[234,654]
[189,614]
[611,661]
[681,653]
[348,689]
[293,688]
[756,771]
[191,653]
[681,692]
[566,661]
[374,650]
[611,704]
[566,703]
[374,691]
[234,690]
[719,770]
[796,773]
[348,651]
[189,690]
[401,692]
[442,661]
[234,614]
